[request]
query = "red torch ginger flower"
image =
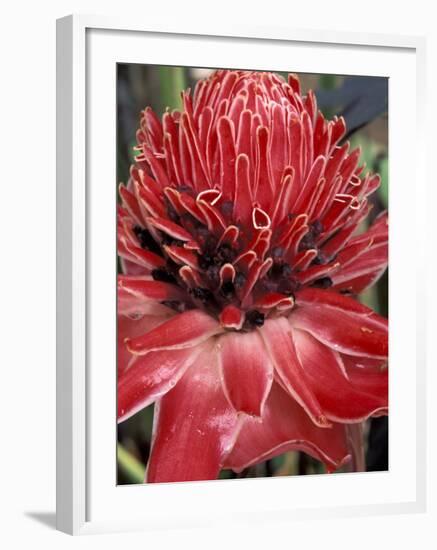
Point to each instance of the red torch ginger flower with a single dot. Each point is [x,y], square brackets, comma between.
[240,254]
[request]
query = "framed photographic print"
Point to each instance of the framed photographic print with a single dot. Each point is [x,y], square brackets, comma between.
[228,333]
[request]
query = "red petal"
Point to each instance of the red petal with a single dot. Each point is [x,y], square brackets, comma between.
[256,272]
[287,192]
[182,256]
[317,272]
[214,218]
[131,204]
[131,268]
[190,276]
[190,206]
[340,399]
[247,371]
[227,273]
[225,133]
[263,183]
[148,201]
[156,166]
[134,305]
[144,288]
[194,427]
[174,198]
[182,331]
[310,184]
[349,166]
[286,427]
[232,317]
[274,299]
[260,219]
[230,236]
[244,134]
[278,340]
[127,327]
[373,381]
[342,324]
[172,229]
[200,173]
[364,269]
[278,143]
[245,261]
[338,241]
[359,283]
[135,254]
[363,362]
[338,130]
[316,296]
[150,377]
[293,81]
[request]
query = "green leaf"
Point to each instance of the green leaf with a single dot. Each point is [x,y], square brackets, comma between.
[172,81]
[328,81]
[226,474]
[129,465]
[369,151]
[370,298]
[383,189]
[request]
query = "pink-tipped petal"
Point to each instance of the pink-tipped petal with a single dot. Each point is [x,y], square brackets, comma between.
[285,426]
[225,132]
[150,377]
[182,256]
[342,324]
[341,400]
[231,317]
[316,296]
[247,371]
[372,381]
[243,194]
[135,327]
[171,228]
[277,338]
[183,331]
[194,426]
[134,305]
[274,299]
[137,255]
[146,289]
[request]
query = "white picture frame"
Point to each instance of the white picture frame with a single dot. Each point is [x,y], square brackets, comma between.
[87,499]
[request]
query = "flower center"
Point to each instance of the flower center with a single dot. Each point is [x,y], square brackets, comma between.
[224,264]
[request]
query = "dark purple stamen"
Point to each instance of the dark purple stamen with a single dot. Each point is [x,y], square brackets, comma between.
[277,253]
[324,282]
[227,207]
[254,318]
[225,254]
[171,241]
[180,307]
[203,294]
[227,290]
[288,286]
[163,275]
[240,279]
[147,242]
[213,274]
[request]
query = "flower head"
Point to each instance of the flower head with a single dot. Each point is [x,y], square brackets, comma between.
[238,235]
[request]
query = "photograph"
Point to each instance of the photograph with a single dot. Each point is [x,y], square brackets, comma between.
[251,273]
